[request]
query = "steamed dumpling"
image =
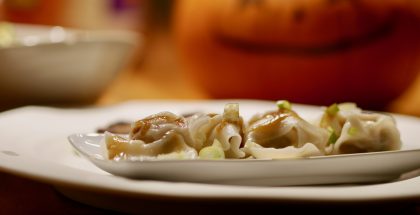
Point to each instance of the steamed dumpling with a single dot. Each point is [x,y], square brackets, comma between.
[226,129]
[278,130]
[354,131]
[335,116]
[167,135]
[230,132]
[160,134]
[343,128]
[368,132]
[156,126]
[201,126]
[170,146]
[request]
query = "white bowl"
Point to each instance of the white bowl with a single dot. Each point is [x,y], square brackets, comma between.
[44,64]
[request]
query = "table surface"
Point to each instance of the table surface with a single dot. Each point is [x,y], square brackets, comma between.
[157,76]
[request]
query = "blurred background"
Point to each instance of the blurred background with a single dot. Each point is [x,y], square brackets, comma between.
[307,51]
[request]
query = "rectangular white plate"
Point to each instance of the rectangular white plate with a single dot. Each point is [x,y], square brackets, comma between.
[337,169]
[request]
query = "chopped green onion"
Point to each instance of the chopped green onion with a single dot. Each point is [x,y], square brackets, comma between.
[332,110]
[284,105]
[333,136]
[352,131]
[213,152]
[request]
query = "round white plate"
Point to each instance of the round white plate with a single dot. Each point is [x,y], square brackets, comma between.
[34,144]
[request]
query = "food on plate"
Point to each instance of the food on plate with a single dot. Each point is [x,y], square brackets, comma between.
[280,133]
[283,133]
[166,134]
[354,131]
[160,134]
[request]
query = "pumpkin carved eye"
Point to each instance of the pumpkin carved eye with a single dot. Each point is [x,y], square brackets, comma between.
[299,15]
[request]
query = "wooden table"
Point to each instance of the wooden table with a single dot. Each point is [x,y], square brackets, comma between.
[158,76]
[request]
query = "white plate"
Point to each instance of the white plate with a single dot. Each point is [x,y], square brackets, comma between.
[34,144]
[352,168]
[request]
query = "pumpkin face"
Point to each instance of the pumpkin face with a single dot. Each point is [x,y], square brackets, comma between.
[308,51]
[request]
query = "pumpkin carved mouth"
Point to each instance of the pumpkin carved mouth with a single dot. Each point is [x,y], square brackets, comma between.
[340,45]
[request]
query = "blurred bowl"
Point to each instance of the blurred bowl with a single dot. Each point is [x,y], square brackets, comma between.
[52,64]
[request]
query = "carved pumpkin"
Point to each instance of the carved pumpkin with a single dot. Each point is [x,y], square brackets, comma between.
[308,51]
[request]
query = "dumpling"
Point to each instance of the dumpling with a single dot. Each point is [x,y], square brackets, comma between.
[226,129]
[201,126]
[230,132]
[171,146]
[167,135]
[354,131]
[368,132]
[155,126]
[159,135]
[283,133]
[343,128]
[334,118]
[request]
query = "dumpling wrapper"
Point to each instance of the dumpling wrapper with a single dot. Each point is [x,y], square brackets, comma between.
[281,132]
[157,125]
[368,132]
[354,131]
[200,127]
[165,133]
[171,146]
[154,136]
[260,152]
[227,129]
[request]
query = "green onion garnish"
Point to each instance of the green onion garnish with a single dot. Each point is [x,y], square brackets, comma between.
[352,131]
[213,152]
[284,105]
[333,136]
[332,110]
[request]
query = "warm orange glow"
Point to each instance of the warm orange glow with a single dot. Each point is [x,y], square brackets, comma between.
[33,11]
[317,51]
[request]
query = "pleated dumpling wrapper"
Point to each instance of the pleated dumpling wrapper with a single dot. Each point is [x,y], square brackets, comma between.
[353,131]
[159,136]
[169,136]
[210,131]
[283,134]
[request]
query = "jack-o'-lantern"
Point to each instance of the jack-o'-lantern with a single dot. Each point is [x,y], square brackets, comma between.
[307,51]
